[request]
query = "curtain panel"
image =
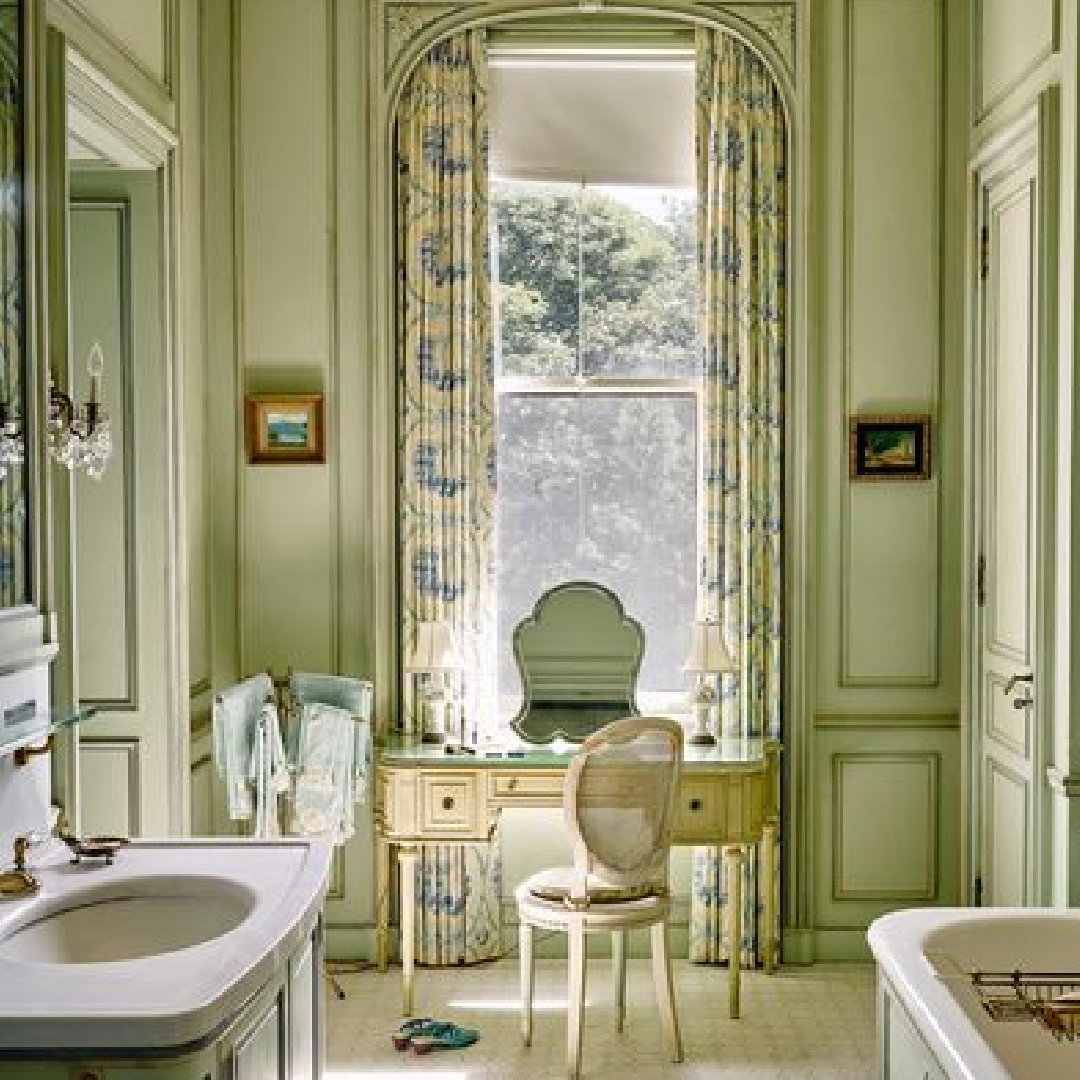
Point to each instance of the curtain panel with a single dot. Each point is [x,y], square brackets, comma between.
[446,440]
[740,147]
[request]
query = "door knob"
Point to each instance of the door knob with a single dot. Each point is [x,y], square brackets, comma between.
[1022,701]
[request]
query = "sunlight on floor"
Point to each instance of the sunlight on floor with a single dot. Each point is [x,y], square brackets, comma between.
[361,1073]
[507,1004]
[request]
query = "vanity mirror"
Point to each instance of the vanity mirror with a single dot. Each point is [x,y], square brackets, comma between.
[578,655]
[14,509]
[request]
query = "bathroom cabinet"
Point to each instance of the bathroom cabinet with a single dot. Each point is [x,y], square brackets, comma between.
[277,1035]
[902,1053]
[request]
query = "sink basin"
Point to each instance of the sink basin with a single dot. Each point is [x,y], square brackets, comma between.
[131,920]
[157,952]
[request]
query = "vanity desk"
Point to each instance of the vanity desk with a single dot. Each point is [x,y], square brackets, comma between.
[728,797]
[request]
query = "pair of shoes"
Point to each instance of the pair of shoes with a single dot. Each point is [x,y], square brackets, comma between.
[425,1035]
[407,1030]
[441,1034]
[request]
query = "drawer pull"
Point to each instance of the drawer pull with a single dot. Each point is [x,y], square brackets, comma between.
[511,784]
[695,805]
[448,802]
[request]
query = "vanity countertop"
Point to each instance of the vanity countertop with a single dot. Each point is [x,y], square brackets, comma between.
[174,999]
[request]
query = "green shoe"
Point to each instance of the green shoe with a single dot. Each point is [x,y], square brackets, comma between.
[407,1030]
[442,1035]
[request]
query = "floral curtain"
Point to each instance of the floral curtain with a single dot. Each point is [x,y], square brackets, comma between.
[13,567]
[446,425]
[741,175]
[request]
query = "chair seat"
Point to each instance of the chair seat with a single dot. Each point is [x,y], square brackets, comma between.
[557,883]
[542,901]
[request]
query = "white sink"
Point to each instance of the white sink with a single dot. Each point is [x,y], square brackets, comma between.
[158,950]
[133,920]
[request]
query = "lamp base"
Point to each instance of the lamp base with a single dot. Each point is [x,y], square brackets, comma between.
[702,738]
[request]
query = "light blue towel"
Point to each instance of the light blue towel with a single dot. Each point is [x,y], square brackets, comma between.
[235,720]
[268,771]
[324,791]
[346,692]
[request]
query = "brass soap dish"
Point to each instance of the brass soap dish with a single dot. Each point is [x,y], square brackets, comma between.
[95,847]
[19,881]
[16,883]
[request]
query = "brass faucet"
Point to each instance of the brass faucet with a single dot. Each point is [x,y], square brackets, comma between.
[19,882]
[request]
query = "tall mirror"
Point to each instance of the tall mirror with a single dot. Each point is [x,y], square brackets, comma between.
[14,508]
[578,655]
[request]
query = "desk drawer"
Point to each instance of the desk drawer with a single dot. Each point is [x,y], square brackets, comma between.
[720,809]
[448,803]
[532,788]
[415,805]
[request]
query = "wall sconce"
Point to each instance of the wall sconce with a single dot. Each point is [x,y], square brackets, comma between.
[435,654]
[708,658]
[77,436]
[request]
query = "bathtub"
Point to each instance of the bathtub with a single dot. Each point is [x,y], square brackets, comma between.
[931,1019]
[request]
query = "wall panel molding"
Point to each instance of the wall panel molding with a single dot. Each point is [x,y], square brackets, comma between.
[111,763]
[120,690]
[887,720]
[861,504]
[864,863]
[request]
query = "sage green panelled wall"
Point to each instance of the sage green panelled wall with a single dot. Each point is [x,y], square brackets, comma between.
[885,741]
[1026,52]
[288,546]
[291,90]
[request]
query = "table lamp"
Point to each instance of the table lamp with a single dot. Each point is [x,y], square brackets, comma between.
[435,654]
[708,657]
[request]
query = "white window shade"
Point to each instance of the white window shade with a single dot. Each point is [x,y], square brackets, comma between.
[595,119]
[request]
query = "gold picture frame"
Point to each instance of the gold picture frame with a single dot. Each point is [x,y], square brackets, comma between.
[284,429]
[889,447]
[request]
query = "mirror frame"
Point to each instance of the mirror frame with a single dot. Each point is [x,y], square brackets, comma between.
[619,619]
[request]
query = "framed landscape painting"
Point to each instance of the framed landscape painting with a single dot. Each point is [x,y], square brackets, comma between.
[284,429]
[889,447]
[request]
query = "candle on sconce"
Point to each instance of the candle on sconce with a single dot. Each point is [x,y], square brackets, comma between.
[95,365]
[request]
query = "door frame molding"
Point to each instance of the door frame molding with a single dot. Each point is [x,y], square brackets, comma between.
[1032,135]
[97,98]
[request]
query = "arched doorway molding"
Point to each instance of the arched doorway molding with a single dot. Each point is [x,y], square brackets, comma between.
[776,32]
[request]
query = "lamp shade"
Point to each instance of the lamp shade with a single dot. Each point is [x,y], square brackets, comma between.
[708,651]
[434,648]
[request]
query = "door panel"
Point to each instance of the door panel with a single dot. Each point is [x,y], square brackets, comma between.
[120,522]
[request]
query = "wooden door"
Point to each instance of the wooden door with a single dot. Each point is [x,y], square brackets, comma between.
[1006,748]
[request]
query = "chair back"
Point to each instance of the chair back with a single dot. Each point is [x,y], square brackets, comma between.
[619,800]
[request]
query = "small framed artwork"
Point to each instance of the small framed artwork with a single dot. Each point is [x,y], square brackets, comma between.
[284,429]
[889,447]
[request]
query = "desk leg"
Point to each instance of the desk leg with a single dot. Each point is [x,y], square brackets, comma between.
[382,903]
[768,871]
[733,860]
[407,859]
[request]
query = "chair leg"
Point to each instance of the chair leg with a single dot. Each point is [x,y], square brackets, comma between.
[576,1004]
[526,968]
[618,960]
[665,990]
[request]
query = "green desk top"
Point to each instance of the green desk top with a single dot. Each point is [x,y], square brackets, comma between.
[410,751]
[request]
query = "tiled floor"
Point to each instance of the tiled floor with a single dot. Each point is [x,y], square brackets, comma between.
[803,1023]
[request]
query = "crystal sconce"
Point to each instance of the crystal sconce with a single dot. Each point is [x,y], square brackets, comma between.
[78,436]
